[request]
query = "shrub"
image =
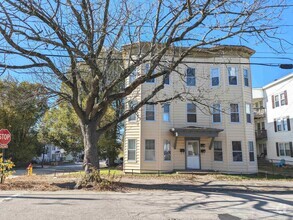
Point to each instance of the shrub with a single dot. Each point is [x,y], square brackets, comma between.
[5,168]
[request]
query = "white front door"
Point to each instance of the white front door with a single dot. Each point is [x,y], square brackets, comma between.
[192,155]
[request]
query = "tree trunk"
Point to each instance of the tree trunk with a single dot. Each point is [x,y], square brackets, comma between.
[90,138]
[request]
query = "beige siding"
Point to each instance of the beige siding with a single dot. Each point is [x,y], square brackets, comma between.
[224,94]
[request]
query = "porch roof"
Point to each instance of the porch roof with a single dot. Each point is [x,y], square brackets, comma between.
[192,131]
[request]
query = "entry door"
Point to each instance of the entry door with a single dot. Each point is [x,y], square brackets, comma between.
[192,155]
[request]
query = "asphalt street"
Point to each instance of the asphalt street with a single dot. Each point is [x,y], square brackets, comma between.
[86,205]
[37,169]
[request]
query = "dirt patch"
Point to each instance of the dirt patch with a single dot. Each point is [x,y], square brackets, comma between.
[126,183]
[37,183]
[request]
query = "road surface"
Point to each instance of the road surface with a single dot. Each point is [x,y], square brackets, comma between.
[86,205]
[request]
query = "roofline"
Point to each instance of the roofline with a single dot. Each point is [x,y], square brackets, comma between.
[240,48]
[290,75]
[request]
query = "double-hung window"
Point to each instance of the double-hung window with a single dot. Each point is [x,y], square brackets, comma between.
[133,76]
[284,149]
[131,153]
[237,151]
[248,113]
[131,105]
[167,150]
[146,71]
[150,112]
[216,110]
[190,77]
[277,103]
[232,75]
[282,99]
[245,76]
[251,151]
[218,151]
[191,112]
[150,153]
[166,112]
[215,76]
[234,111]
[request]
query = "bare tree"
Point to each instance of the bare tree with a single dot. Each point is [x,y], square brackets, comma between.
[55,39]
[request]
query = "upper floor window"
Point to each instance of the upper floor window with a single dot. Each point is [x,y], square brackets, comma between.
[166,79]
[277,103]
[132,76]
[190,76]
[216,110]
[232,74]
[166,112]
[246,78]
[282,124]
[215,76]
[150,112]
[248,113]
[191,112]
[146,70]
[280,99]
[131,105]
[234,110]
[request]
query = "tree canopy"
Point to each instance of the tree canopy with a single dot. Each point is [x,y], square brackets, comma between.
[21,108]
[55,39]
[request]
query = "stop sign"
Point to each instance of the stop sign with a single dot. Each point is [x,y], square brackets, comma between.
[5,136]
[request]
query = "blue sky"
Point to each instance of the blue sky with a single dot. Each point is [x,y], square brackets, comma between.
[262,75]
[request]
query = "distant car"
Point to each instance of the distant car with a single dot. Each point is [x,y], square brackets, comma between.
[117,162]
[36,161]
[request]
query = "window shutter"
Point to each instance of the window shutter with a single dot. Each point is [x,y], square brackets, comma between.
[291,148]
[275,125]
[288,124]
[273,101]
[277,148]
[286,99]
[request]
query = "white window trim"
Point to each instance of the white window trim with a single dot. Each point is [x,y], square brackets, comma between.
[246,114]
[218,161]
[145,72]
[248,77]
[132,121]
[145,110]
[237,151]
[164,113]
[219,72]
[220,109]
[168,161]
[282,121]
[145,151]
[284,144]
[194,77]
[235,122]
[135,150]
[249,151]
[191,113]
[237,78]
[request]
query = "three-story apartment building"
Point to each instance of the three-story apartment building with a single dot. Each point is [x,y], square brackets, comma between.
[214,131]
[278,105]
